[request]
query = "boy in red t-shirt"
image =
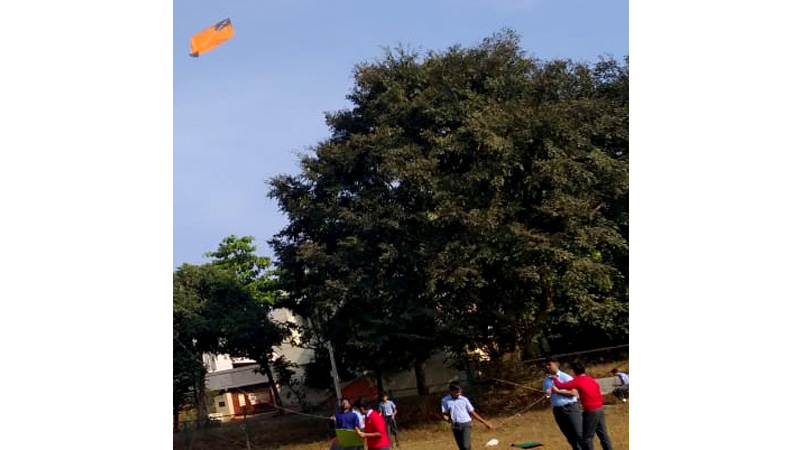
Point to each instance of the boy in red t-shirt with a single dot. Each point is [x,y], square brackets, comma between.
[594,419]
[374,427]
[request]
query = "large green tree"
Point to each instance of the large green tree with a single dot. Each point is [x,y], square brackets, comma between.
[470,199]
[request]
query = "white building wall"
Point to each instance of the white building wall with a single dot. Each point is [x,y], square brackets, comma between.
[222,375]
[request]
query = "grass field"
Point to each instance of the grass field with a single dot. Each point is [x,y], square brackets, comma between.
[536,425]
[498,404]
[531,426]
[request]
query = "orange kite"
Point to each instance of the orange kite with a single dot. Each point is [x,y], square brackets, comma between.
[211,37]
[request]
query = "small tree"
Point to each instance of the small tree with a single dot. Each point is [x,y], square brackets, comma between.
[214,313]
[238,255]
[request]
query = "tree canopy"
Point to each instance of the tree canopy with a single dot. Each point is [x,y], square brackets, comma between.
[475,198]
[238,254]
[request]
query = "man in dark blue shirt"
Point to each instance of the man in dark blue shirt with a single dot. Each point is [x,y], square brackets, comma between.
[345,419]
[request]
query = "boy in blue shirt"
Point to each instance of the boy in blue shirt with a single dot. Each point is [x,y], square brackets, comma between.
[388,410]
[565,405]
[457,410]
[621,384]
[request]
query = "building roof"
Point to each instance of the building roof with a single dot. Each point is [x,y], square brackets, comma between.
[234,378]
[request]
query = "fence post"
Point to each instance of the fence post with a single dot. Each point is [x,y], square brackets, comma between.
[246,431]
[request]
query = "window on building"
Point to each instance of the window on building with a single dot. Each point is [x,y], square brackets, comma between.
[221,404]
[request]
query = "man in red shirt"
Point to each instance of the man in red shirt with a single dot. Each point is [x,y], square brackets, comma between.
[374,428]
[594,418]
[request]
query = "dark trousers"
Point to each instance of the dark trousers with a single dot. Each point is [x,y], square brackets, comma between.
[463,435]
[569,420]
[621,392]
[594,422]
[391,429]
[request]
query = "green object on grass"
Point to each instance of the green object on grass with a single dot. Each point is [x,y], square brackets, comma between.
[348,438]
[529,444]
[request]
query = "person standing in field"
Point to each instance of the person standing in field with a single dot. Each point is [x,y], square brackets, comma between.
[458,410]
[388,410]
[360,416]
[594,418]
[374,428]
[622,384]
[565,405]
[345,419]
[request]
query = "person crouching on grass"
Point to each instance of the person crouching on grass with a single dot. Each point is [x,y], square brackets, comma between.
[374,427]
[621,384]
[594,418]
[457,410]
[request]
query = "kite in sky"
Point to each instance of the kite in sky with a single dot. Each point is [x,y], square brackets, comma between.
[211,37]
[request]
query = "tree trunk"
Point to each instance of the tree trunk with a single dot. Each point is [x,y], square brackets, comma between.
[379,380]
[276,397]
[529,348]
[419,374]
[545,345]
[175,419]
[543,319]
[200,401]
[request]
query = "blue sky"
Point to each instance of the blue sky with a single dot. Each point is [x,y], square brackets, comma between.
[243,111]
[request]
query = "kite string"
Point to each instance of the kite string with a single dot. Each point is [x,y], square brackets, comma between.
[584,352]
[299,413]
[516,384]
[501,423]
[520,412]
[539,400]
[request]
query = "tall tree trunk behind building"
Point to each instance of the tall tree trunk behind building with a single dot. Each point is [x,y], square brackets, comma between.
[276,397]
[419,374]
[200,401]
[379,380]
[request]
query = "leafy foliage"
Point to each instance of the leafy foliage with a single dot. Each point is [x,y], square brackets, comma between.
[214,313]
[238,254]
[470,199]
[286,376]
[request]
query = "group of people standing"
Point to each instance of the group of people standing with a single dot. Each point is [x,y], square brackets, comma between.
[374,426]
[577,407]
[580,427]
[370,425]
